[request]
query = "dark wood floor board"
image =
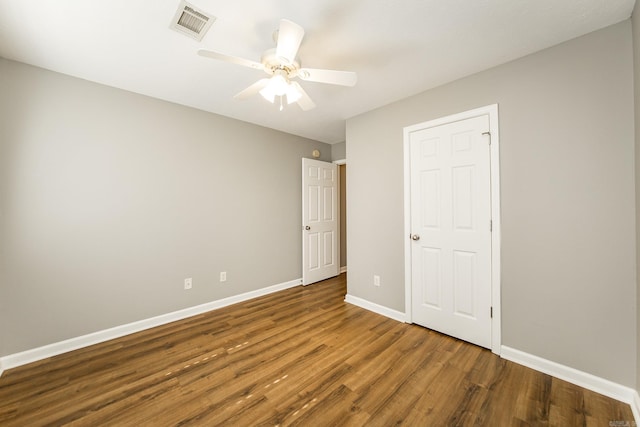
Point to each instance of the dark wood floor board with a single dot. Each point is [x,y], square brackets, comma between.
[279,352]
[444,397]
[334,407]
[325,373]
[504,392]
[278,332]
[586,406]
[517,391]
[296,357]
[349,328]
[189,410]
[366,354]
[16,392]
[303,379]
[399,406]
[121,410]
[487,370]
[469,408]
[103,358]
[219,390]
[312,392]
[391,399]
[273,347]
[117,374]
[386,370]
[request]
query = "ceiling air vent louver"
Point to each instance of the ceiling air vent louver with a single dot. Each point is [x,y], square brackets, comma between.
[191,21]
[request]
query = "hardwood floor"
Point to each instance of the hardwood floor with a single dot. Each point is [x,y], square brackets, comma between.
[297,357]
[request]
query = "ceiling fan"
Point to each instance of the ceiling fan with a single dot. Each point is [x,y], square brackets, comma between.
[282,65]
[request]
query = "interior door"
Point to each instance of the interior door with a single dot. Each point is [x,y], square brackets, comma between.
[320,258]
[451,229]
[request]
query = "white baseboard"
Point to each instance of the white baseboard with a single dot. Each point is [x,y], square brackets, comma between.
[376,308]
[50,350]
[343,269]
[583,379]
[635,407]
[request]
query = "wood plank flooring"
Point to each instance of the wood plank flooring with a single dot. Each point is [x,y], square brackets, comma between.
[297,357]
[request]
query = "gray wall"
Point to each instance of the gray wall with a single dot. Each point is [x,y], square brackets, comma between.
[338,151]
[636,75]
[109,200]
[567,190]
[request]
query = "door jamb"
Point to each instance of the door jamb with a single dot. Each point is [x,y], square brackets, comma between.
[492,111]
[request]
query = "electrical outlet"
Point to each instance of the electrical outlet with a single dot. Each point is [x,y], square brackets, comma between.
[187,283]
[223,276]
[376,280]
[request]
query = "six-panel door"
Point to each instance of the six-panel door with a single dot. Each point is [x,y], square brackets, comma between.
[450,222]
[319,221]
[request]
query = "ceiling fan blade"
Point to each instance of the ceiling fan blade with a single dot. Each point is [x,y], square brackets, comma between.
[232,59]
[252,90]
[342,78]
[304,101]
[290,36]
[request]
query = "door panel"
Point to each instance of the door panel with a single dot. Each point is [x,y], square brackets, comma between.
[431,199]
[451,213]
[431,283]
[319,221]
[464,283]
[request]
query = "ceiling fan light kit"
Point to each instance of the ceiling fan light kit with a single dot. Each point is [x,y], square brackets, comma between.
[279,85]
[282,64]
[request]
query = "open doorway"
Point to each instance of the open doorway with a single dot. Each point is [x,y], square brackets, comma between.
[342,172]
[324,223]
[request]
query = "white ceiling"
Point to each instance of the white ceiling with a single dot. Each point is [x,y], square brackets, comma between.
[397,47]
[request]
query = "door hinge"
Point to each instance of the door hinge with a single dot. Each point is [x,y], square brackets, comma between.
[489,135]
[491,312]
[490,225]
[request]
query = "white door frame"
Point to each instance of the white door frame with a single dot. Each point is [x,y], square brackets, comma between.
[492,111]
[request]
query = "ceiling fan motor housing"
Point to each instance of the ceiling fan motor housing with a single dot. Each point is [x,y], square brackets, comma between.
[273,63]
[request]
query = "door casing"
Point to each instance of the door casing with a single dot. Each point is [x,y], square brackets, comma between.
[492,112]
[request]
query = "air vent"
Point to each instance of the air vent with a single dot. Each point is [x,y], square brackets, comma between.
[191,21]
